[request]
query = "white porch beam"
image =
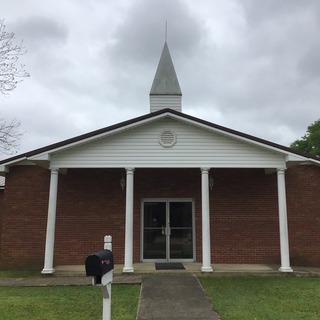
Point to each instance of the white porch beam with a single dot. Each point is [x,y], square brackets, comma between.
[51,223]
[206,251]
[283,222]
[128,250]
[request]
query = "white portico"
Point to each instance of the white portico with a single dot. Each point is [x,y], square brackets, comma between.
[167,138]
[200,145]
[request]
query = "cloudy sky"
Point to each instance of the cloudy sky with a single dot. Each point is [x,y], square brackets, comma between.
[253,66]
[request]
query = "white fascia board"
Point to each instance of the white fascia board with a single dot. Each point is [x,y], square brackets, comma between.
[301,159]
[313,161]
[178,165]
[40,157]
[21,161]
[290,157]
[8,164]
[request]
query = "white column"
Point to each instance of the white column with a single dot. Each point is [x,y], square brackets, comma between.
[206,251]
[283,223]
[51,223]
[128,256]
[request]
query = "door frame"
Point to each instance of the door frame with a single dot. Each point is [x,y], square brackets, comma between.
[167,201]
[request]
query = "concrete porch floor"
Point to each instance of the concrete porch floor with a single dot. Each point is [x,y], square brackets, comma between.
[195,268]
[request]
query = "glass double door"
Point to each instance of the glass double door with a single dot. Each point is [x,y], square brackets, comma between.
[168,230]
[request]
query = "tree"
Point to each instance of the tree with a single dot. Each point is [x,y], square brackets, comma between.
[11,73]
[9,135]
[310,142]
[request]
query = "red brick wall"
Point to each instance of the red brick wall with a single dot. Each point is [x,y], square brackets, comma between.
[24,217]
[91,204]
[303,201]
[244,217]
[1,213]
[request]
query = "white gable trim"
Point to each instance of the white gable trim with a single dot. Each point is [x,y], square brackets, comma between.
[194,147]
[44,157]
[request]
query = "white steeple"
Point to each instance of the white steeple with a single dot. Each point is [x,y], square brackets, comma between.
[165,91]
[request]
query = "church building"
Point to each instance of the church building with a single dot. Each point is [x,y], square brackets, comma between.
[168,187]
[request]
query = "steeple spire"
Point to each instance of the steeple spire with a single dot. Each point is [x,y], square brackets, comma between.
[165,91]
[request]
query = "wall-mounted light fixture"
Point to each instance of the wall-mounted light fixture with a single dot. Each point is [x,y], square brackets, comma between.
[211,182]
[122,183]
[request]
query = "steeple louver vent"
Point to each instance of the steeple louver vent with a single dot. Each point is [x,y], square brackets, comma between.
[167,138]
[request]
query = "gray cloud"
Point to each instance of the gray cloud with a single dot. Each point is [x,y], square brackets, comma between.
[309,63]
[142,34]
[137,43]
[41,32]
[249,65]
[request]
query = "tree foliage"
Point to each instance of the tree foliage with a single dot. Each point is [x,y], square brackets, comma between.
[11,73]
[310,142]
[9,135]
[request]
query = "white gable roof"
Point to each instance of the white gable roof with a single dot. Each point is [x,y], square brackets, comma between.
[136,143]
[141,147]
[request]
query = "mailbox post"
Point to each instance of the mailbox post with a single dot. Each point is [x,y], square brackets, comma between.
[106,288]
[100,266]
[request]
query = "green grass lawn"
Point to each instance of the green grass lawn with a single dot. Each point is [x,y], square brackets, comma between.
[19,274]
[233,297]
[69,303]
[264,298]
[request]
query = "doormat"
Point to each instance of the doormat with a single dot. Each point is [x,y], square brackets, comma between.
[169,266]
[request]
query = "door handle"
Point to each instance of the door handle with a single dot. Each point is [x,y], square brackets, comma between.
[166,231]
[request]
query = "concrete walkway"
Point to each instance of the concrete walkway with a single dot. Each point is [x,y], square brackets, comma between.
[176,297]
